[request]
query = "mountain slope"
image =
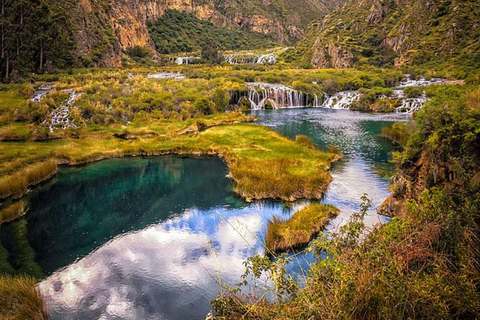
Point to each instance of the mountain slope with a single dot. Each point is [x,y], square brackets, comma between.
[395,32]
[42,35]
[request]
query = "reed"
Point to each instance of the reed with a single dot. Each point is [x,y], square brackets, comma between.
[16,184]
[19,299]
[12,212]
[283,235]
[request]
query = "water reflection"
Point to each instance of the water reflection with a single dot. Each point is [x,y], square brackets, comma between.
[167,271]
[358,136]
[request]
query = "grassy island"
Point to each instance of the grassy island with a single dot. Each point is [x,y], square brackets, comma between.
[300,229]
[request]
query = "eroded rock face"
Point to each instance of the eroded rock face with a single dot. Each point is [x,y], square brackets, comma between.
[332,56]
[104,29]
[387,32]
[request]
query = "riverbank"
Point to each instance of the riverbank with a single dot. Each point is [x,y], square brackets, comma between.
[262,163]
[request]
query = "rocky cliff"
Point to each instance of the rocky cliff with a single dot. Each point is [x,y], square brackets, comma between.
[102,29]
[394,32]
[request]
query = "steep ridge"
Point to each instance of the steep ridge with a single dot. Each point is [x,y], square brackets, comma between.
[394,32]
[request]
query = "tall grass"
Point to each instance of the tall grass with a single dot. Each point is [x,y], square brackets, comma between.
[277,179]
[20,300]
[12,212]
[283,235]
[16,184]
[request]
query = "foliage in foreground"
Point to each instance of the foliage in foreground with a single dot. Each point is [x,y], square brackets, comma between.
[423,264]
[19,299]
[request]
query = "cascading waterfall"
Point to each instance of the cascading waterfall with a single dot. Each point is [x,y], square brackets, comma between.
[236,58]
[277,95]
[42,92]
[341,100]
[185,60]
[60,117]
[166,75]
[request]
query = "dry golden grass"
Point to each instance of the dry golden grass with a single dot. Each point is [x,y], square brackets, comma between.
[12,212]
[16,184]
[19,299]
[300,229]
[263,164]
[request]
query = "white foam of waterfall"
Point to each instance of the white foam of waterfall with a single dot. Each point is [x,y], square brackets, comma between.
[60,117]
[270,58]
[185,60]
[278,95]
[41,92]
[422,82]
[341,100]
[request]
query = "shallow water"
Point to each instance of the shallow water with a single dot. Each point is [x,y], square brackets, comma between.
[150,238]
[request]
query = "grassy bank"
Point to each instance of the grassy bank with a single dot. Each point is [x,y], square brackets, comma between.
[263,163]
[19,299]
[12,212]
[300,229]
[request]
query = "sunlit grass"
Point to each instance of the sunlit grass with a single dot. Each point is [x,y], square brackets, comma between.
[263,163]
[12,212]
[20,300]
[16,184]
[284,235]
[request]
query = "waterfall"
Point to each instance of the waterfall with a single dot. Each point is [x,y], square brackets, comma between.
[186,60]
[270,58]
[422,82]
[279,96]
[42,92]
[60,117]
[237,58]
[262,95]
[341,100]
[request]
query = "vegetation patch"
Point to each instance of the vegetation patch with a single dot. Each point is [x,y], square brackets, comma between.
[178,31]
[19,299]
[300,229]
[12,212]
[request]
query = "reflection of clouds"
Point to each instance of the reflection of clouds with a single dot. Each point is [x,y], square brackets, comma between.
[161,272]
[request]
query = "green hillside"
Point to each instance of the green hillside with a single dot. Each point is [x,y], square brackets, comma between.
[433,34]
[179,31]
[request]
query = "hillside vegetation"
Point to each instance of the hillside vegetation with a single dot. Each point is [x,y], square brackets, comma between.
[436,35]
[47,35]
[178,31]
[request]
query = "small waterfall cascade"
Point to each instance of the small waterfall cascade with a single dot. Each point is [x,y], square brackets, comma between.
[166,75]
[185,60]
[409,105]
[237,58]
[341,100]
[60,117]
[41,92]
[270,58]
[422,82]
[277,95]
